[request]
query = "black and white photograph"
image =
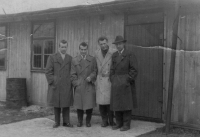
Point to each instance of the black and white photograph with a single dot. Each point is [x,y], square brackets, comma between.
[99,68]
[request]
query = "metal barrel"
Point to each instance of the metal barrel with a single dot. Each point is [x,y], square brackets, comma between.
[16,95]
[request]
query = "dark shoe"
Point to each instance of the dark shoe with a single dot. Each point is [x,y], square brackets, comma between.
[116,127]
[67,125]
[88,125]
[104,124]
[56,125]
[112,124]
[124,128]
[79,124]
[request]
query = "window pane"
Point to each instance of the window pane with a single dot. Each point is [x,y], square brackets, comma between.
[2,32]
[37,61]
[43,30]
[48,49]
[37,46]
[2,54]
[45,60]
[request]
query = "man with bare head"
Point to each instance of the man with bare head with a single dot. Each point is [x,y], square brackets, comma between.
[103,58]
[60,94]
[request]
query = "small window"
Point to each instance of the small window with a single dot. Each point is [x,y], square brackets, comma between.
[3,47]
[43,43]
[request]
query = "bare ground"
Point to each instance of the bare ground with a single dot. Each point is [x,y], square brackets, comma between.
[14,115]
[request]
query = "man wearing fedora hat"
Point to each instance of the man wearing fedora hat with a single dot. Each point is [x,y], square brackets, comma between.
[122,76]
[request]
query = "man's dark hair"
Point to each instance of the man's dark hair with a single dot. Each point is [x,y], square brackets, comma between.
[103,38]
[84,44]
[63,42]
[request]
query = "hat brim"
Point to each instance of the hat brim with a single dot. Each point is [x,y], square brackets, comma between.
[119,41]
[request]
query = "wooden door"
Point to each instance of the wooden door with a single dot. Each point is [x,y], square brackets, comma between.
[145,39]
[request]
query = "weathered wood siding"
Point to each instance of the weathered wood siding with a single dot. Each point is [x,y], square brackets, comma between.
[89,29]
[19,52]
[39,89]
[186,97]
[3,75]
[186,102]
[168,24]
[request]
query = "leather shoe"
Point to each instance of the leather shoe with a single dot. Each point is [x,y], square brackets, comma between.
[88,125]
[124,128]
[79,124]
[67,125]
[112,123]
[104,124]
[116,127]
[56,125]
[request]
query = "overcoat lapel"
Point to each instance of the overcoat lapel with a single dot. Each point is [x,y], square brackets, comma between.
[61,61]
[103,60]
[59,58]
[107,58]
[65,61]
[87,63]
[120,58]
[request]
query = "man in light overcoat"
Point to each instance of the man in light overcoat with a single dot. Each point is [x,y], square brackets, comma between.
[60,94]
[103,85]
[83,76]
[122,75]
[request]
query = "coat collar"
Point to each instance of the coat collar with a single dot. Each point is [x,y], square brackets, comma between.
[88,60]
[61,61]
[102,59]
[59,58]
[118,58]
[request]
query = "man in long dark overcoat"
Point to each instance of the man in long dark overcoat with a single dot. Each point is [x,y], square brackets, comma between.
[122,75]
[60,94]
[83,76]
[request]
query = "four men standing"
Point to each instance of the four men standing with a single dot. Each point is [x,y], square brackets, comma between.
[115,85]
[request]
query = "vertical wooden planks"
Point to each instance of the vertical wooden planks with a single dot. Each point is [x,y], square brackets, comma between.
[3,76]
[186,86]
[19,52]
[39,88]
[143,38]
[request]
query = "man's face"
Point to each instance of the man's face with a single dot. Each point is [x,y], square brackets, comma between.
[63,48]
[83,50]
[120,46]
[103,44]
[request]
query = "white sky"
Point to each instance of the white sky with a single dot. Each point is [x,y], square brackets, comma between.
[17,6]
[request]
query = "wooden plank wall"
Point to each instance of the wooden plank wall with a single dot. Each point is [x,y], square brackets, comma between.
[89,29]
[143,40]
[108,25]
[39,89]
[186,87]
[3,75]
[75,30]
[186,97]
[168,23]
[19,52]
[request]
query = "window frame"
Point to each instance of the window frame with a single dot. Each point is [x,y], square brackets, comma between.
[42,69]
[6,47]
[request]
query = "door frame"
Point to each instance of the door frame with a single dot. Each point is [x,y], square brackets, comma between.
[159,120]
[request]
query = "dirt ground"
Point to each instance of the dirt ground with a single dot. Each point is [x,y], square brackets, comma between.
[14,115]
[174,132]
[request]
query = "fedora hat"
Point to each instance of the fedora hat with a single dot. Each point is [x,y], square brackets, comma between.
[119,39]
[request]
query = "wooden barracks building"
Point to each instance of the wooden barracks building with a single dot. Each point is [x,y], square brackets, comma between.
[27,39]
